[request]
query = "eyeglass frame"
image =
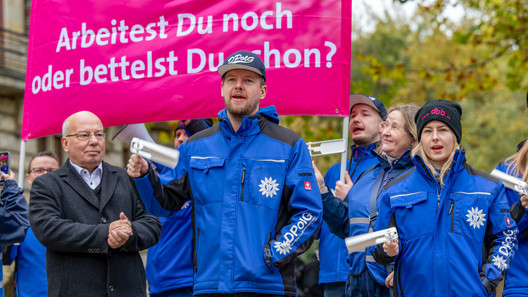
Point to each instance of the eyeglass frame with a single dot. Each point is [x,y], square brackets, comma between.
[89,135]
[46,170]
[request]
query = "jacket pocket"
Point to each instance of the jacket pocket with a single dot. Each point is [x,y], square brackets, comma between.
[414,213]
[264,181]
[207,173]
[470,213]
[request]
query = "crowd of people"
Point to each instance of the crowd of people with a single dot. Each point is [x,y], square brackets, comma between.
[246,199]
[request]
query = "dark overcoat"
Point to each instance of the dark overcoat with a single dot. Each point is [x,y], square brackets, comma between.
[72,222]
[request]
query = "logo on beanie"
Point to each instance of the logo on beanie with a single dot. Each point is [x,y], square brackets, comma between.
[436,111]
[439,112]
[240,59]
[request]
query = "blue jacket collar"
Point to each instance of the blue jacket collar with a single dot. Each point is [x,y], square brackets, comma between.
[405,161]
[250,124]
[459,160]
[357,151]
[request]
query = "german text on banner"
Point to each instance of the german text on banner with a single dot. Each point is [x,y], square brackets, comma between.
[139,61]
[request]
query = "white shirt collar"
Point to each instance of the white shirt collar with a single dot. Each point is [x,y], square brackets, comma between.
[92,180]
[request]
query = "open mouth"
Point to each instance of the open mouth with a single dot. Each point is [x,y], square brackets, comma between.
[238,97]
[437,148]
[357,130]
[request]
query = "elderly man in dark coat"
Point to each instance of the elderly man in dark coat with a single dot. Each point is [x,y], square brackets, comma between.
[88,217]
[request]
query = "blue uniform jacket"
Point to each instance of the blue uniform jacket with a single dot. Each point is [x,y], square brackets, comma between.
[332,249]
[255,199]
[30,272]
[443,231]
[169,262]
[14,219]
[516,282]
[362,218]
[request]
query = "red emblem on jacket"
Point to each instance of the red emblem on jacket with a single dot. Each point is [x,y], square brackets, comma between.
[307,186]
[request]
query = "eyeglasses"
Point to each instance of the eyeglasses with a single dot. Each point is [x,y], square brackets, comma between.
[84,136]
[385,125]
[40,170]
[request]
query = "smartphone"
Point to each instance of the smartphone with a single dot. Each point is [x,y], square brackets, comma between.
[4,163]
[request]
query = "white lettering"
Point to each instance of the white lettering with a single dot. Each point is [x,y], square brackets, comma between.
[208,29]
[64,41]
[201,64]
[87,34]
[99,71]
[102,33]
[297,56]
[263,23]
[136,67]
[136,30]
[254,21]
[46,80]
[161,24]
[85,70]
[151,32]
[181,19]
[280,14]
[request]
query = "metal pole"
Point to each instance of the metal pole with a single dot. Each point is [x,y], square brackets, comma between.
[344,154]
[21,163]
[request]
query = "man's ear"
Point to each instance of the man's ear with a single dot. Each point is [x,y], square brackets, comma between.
[263,90]
[64,142]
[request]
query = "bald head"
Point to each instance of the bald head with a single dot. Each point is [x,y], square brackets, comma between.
[76,117]
[83,139]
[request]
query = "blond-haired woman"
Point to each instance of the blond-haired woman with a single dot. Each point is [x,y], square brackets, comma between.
[445,212]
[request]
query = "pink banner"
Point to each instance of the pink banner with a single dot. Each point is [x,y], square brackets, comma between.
[139,61]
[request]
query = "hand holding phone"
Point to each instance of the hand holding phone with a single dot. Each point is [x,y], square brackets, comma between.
[4,164]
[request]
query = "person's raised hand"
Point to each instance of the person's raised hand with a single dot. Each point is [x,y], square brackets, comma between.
[391,248]
[5,176]
[137,166]
[524,201]
[319,177]
[341,189]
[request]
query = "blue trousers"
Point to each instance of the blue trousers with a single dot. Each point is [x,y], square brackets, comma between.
[334,289]
[364,286]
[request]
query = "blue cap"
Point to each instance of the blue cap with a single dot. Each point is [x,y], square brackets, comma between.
[243,60]
[370,101]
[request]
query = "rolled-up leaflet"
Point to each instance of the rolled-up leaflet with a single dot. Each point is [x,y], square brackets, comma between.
[155,152]
[511,182]
[360,242]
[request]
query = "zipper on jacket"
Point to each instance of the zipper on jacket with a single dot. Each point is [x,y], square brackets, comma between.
[437,199]
[195,257]
[242,182]
[397,275]
[451,213]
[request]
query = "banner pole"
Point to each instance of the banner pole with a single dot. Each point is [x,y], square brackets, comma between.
[344,154]
[21,163]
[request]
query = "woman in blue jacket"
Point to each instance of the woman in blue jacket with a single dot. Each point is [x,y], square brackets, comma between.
[398,136]
[446,214]
[516,283]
